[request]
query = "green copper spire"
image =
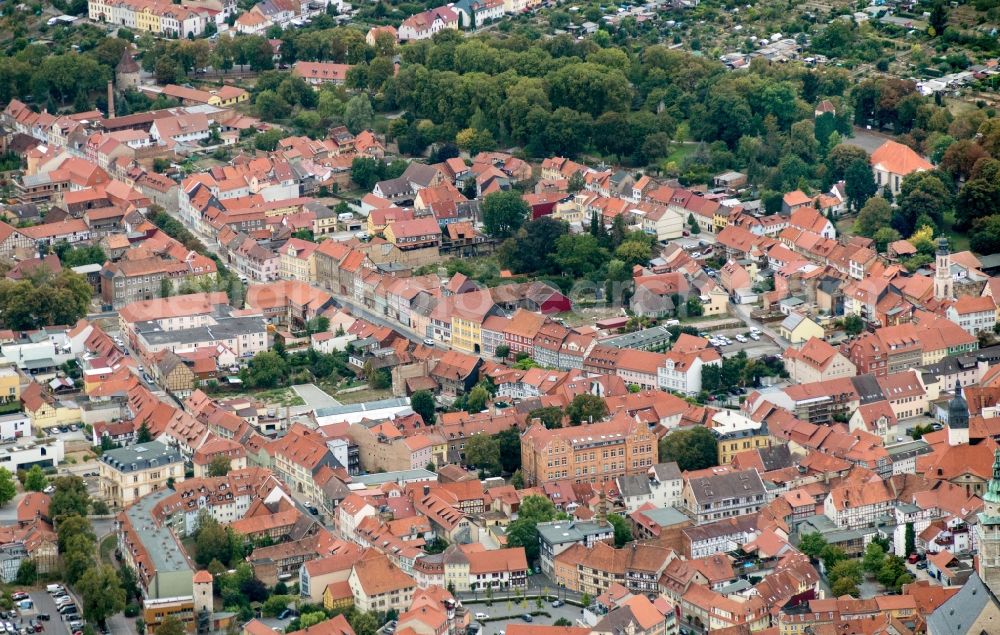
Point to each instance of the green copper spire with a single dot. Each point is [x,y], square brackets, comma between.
[993,491]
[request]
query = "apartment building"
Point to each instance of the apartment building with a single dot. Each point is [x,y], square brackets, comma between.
[128,474]
[379,585]
[723,495]
[556,537]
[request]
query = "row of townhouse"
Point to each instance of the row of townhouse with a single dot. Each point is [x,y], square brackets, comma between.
[159,17]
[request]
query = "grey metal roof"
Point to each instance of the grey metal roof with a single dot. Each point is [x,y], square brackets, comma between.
[362,407]
[141,456]
[666,516]
[633,485]
[667,471]
[639,339]
[402,476]
[957,615]
[223,329]
[158,541]
[564,531]
[722,487]
[868,389]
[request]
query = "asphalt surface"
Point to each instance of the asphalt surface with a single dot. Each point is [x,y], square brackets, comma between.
[514,612]
[44,604]
[314,396]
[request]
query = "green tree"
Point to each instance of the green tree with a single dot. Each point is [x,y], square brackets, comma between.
[7,487]
[523,532]
[36,480]
[845,586]
[692,449]
[853,325]
[876,214]
[859,183]
[550,416]
[812,544]
[502,351]
[211,541]
[27,572]
[219,466]
[358,113]
[312,618]
[517,480]
[78,558]
[143,434]
[874,558]
[924,198]
[171,626]
[623,532]
[634,252]
[910,539]
[102,594]
[483,452]
[166,288]
[477,399]
[586,408]
[884,236]
[832,555]
[73,526]
[267,369]
[504,213]
[693,224]
[422,402]
[365,172]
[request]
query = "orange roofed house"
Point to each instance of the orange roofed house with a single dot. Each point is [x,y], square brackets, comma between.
[893,161]
[588,454]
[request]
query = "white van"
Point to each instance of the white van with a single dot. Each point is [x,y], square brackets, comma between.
[54,588]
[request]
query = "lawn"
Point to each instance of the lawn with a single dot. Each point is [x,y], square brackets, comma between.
[359,396]
[680,152]
[107,549]
[957,240]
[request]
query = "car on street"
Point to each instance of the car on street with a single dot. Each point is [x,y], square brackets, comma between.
[526,617]
[482,616]
[428,341]
[556,603]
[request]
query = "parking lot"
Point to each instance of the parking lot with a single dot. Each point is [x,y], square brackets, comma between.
[753,348]
[515,613]
[44,604]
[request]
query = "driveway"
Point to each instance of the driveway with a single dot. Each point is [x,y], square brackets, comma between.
[315,397]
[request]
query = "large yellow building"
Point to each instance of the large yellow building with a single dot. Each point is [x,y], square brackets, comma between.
[10,384]
[737,433]
[128,474]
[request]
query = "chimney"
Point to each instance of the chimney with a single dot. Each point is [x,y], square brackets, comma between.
[111,100]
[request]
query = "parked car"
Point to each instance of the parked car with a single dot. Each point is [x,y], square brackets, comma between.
[17,596]
[741,338]
[526,617]
[45,617]
[428,341]
[754,337]
[922,565]
[556,603]
[482,616]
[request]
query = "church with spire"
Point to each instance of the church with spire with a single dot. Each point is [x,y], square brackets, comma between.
[958,418]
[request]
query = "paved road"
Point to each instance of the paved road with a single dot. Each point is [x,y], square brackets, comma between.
[314,396]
